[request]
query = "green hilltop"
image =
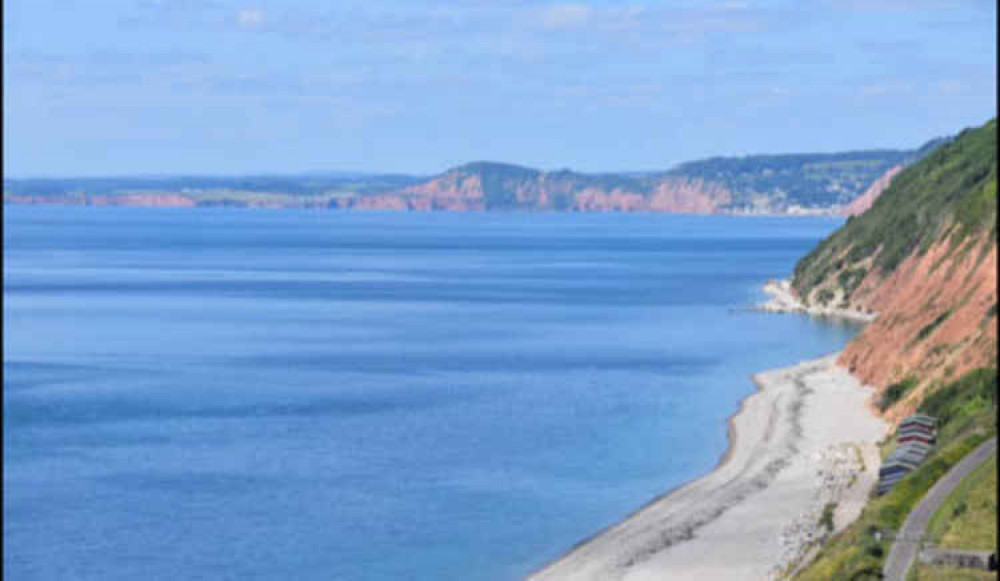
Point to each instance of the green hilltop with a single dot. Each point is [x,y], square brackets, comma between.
[951,192]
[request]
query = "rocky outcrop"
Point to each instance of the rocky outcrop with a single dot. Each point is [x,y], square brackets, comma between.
[454,191]
[689,196]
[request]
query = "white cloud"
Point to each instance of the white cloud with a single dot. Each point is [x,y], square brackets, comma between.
[250,17]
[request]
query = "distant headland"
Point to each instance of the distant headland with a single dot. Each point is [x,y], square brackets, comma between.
[789,184]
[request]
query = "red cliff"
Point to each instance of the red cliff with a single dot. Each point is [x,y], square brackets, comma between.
[866,199]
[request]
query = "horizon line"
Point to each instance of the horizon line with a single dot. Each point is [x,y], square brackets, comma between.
[347,173]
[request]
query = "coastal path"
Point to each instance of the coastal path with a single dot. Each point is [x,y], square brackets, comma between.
[907,543]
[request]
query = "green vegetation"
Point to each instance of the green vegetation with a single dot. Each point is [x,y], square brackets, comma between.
[826,519]
[856,551]
[968,518]
[929,327]
[925,573]
[808,180]
[500,181]
[895,392]
[953,185]
[850,278]
[964,404]
[966,411]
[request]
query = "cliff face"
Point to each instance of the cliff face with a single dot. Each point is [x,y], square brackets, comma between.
[777,184]
[866,199]
[937,320]
[924,257]
[485,186]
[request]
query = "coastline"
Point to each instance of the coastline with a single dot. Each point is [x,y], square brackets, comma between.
[803,439]
[783,300]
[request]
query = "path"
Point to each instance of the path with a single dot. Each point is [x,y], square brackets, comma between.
[904,550]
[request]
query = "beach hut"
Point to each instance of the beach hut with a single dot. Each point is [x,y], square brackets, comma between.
[917,435]
[896,466]
[919,428]
[899,463]
[914,450]
[911,452]
[919,420]
[887,484]
[916,428]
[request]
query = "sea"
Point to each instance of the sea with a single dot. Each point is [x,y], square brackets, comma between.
[284,394]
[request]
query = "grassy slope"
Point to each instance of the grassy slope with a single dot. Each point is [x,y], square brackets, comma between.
[968,518]
[925,573]
[951,192]
[967,409]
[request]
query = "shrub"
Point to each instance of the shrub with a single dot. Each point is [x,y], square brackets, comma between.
[972,393]
[826,519]
[895,392]
[929,327]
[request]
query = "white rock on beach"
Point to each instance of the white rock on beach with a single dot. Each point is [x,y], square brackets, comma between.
[782,299]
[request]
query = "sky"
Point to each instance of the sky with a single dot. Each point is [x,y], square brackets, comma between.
[225,87]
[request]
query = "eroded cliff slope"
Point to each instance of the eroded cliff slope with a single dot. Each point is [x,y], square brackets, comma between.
[924,257]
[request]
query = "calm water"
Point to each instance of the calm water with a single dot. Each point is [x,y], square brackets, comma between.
[228,394]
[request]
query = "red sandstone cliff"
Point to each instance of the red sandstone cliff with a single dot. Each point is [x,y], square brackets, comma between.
[959,289]
[462,191]
[924,257]
[866,199]
[799,184]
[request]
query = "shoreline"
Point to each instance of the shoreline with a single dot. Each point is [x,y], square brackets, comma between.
[180,200]
[784,300]
[789,472]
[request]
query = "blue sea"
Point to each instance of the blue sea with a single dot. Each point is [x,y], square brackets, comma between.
[240,394]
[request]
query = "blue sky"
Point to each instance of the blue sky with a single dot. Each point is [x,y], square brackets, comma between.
[234,87]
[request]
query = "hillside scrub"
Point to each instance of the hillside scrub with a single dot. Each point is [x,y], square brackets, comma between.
[968,518]
[895,392]
[955,184]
